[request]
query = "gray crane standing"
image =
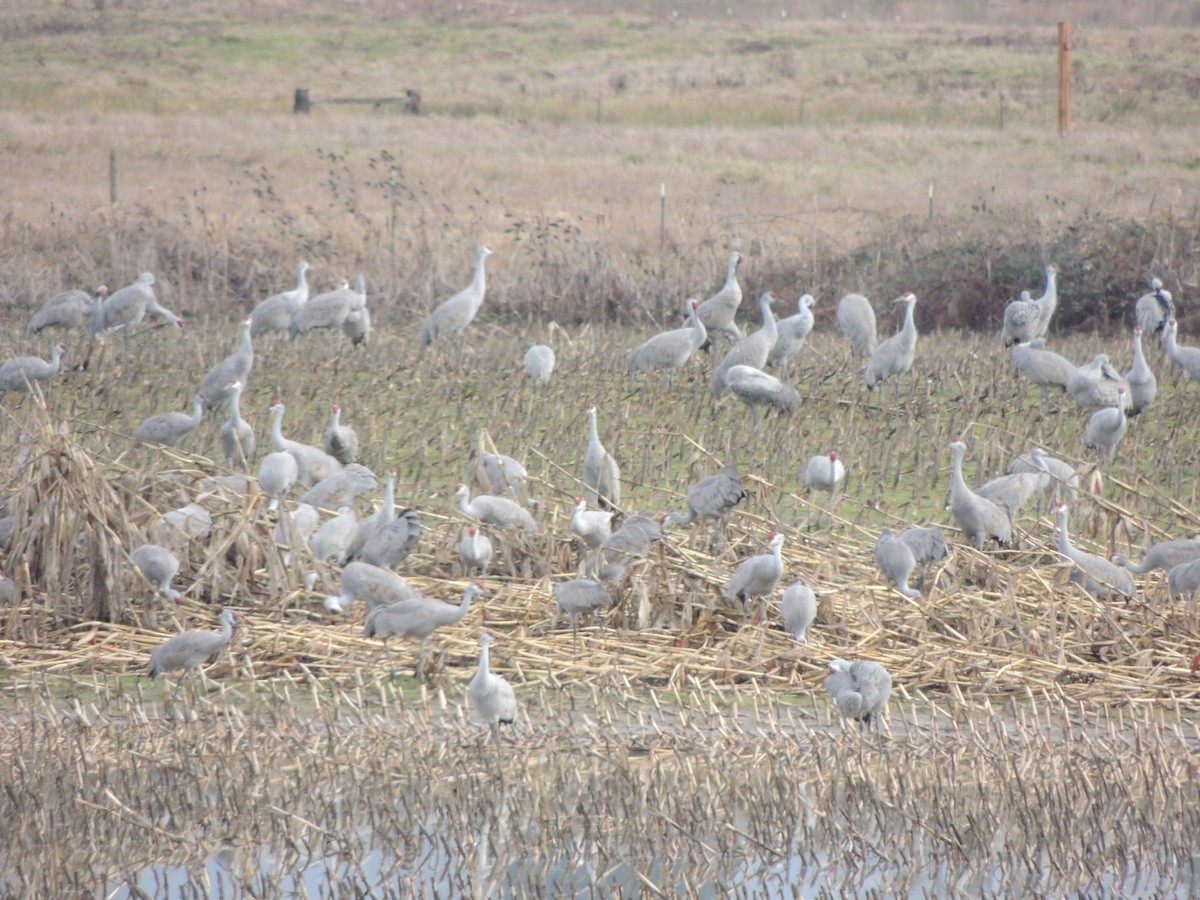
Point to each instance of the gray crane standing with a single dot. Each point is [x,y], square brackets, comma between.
[68,309]
[856,323]
[580,595]
[860,690]
[276,474]
[757,389]
[1187,358]
[159,565]
[1041,366]
[1099,577]
[492,510]
[757,576]
[1095,384]
[1155,309]
[1106,427]
[375,586]
[330,310]
[1164,555]
[340,441]
[895,355]
[669,350]
[312,463]
[798,606]
[539,362]
[127,307]
[236,435]
[272,316]
[712,498]
[601,474]
[20,373]
[752,350]
[452,316]
[718,311]
[170,428]
[417,617]
[1143,384]
[217,382]
[191,649]
[792,333]
[978,517]
[491,695]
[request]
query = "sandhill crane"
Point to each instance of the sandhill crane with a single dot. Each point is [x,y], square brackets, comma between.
[191,520]
[895,355]
[749,351]
[1041,366]
[798,606]
[1094,385]
[1060,481]
[417,617]
[68,309]
[497,473]
[860,690]
[312,463]
[856,323]
[455,314]
[159,565]
[19,373]
[601,474]
[1021,319]
[628,543]
[357,325]
[375,586]
[170,428]
[1102,579]
[979,518]
[493,510]
[380,517]
[491,696]
[1027,319]
[539,363]
[236,366]
[8,590]
[390,543]
[757,576]
[333,538]
[792,332]
[237,437]
[342,487]
[1164,555]
[1012,491]
[718,311]
[295,527]
[927,545]
[896,560]
[1143,385]
[756,388]
[1184,579]
[712,498]
[273,315]
[329,310]
[191,649]
[1106,427]
[670,350]
[276,474]
[340,441]
[1048,302]
[128,306]
[1187,358]
[580,595]
[593,526]
[824,473]
[1155,309]
[475,549]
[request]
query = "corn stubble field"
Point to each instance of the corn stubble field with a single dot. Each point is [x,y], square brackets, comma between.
[1038,742]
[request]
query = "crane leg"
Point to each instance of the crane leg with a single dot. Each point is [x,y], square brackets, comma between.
[388,652]
[421,660]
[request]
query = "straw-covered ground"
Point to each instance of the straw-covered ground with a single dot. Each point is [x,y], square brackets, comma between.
[1000,641]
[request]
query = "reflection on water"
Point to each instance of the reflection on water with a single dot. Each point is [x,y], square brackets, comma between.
[626,802]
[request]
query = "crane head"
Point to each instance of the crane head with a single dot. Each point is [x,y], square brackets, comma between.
[833,456]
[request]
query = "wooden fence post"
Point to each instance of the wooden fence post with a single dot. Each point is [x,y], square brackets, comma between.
[1064,78]
[301,103]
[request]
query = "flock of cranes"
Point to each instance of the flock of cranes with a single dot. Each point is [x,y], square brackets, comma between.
[367,550]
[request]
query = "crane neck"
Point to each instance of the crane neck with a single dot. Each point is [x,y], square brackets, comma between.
[959,484]
[1064,541]
[484,660]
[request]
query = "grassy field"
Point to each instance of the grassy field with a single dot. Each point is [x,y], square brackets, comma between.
[810,145]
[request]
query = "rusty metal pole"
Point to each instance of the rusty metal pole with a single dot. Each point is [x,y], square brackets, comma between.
[1064,78]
